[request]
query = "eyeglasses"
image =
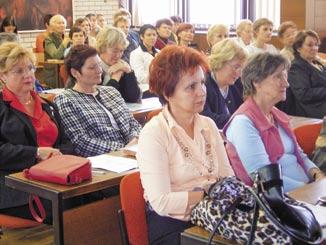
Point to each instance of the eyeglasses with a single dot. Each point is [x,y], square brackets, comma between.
[23,71]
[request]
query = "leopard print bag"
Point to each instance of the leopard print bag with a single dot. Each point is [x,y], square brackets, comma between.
[232,204]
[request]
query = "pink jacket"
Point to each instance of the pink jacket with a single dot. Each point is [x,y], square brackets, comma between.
[269,134]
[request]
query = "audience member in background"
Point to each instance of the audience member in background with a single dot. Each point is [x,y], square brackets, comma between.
[164,30]
[55,45]
[260,133]
[141,58]
[85,25]
[101,22]
[77,37]
[244,33]
[133,33]
[110,44]
[30,127]
[180,153]
[123,23]
[8,37]
[307,76]
[177,20]
[9,25]
[95,118]
[185,34]
[287,32]
[319,155]
[39,43]
[215,34]
[93,24]
[224,88]
[263,29]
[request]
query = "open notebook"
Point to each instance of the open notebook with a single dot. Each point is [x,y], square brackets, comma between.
[113,163]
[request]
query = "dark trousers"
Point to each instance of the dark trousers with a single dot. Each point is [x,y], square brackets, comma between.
[164,230]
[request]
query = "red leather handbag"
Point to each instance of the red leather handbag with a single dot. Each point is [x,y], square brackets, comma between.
[62,169]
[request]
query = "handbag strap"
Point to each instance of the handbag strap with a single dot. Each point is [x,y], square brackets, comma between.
[40,208]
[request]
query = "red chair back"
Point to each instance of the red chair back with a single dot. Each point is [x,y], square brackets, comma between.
[152,114]
[12,222]
[133,207]
[307,135]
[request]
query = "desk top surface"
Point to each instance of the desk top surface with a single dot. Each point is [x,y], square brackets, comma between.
[300,121]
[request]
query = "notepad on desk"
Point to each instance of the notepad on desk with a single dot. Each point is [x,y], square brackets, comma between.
[130,150]
[113,163]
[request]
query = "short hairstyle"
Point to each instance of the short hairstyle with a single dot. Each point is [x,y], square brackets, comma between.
[8,37]
[213,30]
[11,53]
[301,37]
[122,12]
[242,25]
[8,21]
[77,56]
[258,68]
[99,15]
[57,17]
[144,28]
[109,37]
[79,21]
[75,29]
[169,65]
[163,21]
[284,26]
[260,22]
[184,27]
[46,19]
[90,15]
[120,19]
[176,19]
[224,51]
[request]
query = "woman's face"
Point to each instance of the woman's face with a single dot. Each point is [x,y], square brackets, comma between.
[247,34]
[20,78]
[124,26]
[289,36]
[85,26]
[219,36]
[273,88]
[164,31]
[190,94]
[91,72]
[264,33]
[149,38]
[309,49]
[229,72]
[187,35]
[112,55]
[78,38]
[59,26]
[10,29]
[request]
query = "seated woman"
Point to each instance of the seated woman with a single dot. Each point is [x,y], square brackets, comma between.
[95,118]
[263,30]
[215,34]
[307,77]
[185,34]
[77,37]
[54,47]
[244,33]
[30,128]
[85,25]
[286,33]
[141,57]
[9,25]
[224,88]
[180,153]
[164,30]
[259,132]
[110,44]
[319,155]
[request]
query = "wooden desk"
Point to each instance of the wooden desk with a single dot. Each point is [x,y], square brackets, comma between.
[56,65]
[300,121]
[96,222]
[309,193]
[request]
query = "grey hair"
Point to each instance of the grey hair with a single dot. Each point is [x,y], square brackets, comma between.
[258,68]
[110,37]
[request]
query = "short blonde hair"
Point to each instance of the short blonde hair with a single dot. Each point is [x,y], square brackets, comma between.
[57,17]
[215,29]
[242,25]
[225,51]
[260,22]
[109,37]
[11,53]
[121,18]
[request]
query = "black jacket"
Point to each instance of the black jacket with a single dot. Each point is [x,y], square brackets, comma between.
[18,147]
[308,85]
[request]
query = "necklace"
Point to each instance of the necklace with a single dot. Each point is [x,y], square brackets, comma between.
[29,100]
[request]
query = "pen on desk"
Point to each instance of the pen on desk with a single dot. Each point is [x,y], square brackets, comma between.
[98,172]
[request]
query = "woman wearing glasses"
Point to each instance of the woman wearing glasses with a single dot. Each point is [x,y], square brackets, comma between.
[224,88]
[30,127]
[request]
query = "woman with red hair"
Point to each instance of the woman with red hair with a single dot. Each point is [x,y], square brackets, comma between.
[185,34]
[180,153]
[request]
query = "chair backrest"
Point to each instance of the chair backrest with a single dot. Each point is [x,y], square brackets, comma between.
[152,114]
[12,222]
[63,75]
[133,207]
[307,135]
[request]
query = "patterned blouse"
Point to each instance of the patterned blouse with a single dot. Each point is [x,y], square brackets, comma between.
[88,124]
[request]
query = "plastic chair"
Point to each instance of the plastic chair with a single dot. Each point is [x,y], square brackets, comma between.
[307,135]
[132,216]
[12,222]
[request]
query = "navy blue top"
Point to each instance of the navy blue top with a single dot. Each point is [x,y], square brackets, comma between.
[215,106]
